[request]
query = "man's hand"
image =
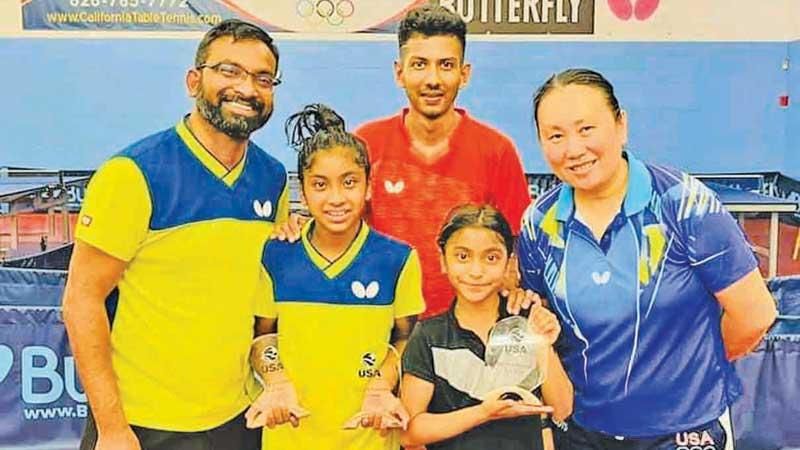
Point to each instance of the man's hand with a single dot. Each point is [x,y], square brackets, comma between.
[277,405]
[289,230]
[380,410]
[124,439]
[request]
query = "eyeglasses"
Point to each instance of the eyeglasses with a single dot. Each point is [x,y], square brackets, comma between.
[264,80]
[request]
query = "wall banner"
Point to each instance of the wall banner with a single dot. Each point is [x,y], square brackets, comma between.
[42,403]
[305,16]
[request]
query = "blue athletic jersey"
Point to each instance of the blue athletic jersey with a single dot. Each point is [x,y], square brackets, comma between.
[641,334]
[183,190]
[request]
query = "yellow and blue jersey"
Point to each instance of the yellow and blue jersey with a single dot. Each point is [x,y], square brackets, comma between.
[334,324]
[641,325]
[191,232]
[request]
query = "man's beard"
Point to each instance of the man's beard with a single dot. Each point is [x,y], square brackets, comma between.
[236,126]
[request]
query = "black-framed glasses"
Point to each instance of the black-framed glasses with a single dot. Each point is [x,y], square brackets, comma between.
[264,80]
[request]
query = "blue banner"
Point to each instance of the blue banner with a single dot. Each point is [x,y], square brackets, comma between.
[767,415]
[42,404]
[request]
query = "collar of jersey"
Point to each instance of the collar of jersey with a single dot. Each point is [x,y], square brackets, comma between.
[205,157]
[334,268]
[502,313]
[458,138]
[640,190]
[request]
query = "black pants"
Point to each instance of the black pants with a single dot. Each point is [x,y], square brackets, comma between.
[708,437]
[231,435]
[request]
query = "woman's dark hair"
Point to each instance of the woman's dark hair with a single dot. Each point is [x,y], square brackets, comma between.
[583,77]
[318,127]
[483,216]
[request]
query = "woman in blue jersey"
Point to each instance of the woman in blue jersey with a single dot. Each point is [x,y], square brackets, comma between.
[652,279]
[447,371]
[342,300]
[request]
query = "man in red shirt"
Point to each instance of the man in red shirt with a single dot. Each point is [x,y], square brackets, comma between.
[432,156]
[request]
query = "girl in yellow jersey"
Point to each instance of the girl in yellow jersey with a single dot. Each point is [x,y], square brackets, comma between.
[342,301]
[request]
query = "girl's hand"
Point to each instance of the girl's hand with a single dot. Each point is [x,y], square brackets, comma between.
[543,322]
[519,299]
[495,409]
[380,410]
[277,405]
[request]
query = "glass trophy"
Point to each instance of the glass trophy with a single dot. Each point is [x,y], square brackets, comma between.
[515,364]
[265,359]
[264,356]
[516,361]
[377,399]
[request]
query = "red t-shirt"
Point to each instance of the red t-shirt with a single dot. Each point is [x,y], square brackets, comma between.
[411,198]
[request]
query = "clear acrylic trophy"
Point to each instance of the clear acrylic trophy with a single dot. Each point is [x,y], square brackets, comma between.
[515,363]
[265,359]
[264,356]
[518,359]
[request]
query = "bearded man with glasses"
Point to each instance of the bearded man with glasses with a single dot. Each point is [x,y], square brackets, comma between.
[175,223]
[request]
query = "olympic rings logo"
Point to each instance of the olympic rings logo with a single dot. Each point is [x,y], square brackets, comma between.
[332,11]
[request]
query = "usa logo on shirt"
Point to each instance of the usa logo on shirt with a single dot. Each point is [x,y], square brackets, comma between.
[695,440]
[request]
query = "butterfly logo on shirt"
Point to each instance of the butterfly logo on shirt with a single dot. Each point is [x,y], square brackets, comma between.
[262,209]
[601,278]
[365,292]
[394,188]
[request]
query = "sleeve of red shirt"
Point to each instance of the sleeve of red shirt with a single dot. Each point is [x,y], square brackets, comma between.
[362,132]
[509,191]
